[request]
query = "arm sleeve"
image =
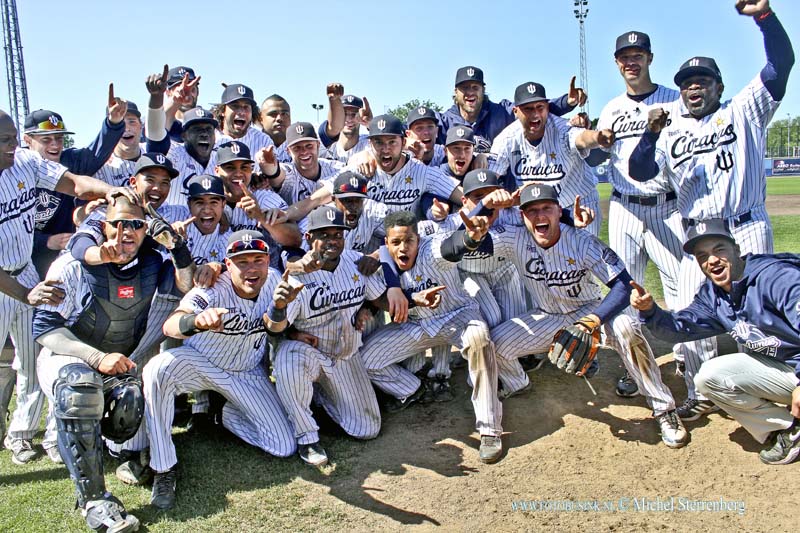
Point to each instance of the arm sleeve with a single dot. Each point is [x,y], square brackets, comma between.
[454,247]
[324,138]
[63,342]
[690,324]
[78,244]
[780,56]
[617,299]
[87,161]
[642,165]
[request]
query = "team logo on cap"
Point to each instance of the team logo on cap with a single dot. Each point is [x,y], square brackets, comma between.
[381,124]
[298,128]
[235,148]
[354,182]
[701,228]
[536,192]
[160,159]
[247,239]
[241,90]
[199,112]
[422,110]
[482,177]
[460,132]
[53,120]
[532,88]
[694,62]
[181,71]
[206,183]
[470,71]
[349,98]
[330,215]
[632,38]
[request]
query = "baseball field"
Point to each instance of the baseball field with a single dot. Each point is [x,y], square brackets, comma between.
[573,462]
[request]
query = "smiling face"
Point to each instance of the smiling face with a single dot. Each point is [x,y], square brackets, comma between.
[542,220]
[634,65]
[425,131]
[469,97]
[207,210]
[388,150]
[329,242]
[352,208]
[124,215]
[199,140]
[237,118]
[49,146]
[533,117]
[8,141]
[152,184]
[235,175]
[248,273]
[701,94]
[403,244]
[351,122]
[720,261]
[305,156]
[133,131]
[459,156]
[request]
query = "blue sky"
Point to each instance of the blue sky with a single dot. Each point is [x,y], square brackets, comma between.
[388,51]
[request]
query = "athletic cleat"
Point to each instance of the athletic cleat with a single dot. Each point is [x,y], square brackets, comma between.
[313,454]
[491,449]
[441,389]
[396,405]
[503,394]
[673,434]
[22,451]
[692,409]
[785,449]
[109,513]
[533,362]
[163,496]
[626,386]
[54,455]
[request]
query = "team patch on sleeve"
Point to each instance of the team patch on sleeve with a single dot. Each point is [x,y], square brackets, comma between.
[610,258]
[199,301]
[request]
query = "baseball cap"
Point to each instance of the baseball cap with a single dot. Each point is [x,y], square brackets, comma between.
[469,74]
[421,113]
[325,216]
[536,192]
[233,151]
[632,39]
[176,74]
[351,100]
[704,66]
[350,184]
[205,184]
[237,91]
[529,92]
[714,227]
[133,109]
[197,115]
[246,241]
[155,160]
[459,133]
[386,125]
[300,131]
[480,178]
[44,121]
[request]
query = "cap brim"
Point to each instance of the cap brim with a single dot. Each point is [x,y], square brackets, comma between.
[349,195]
[247,252]
[469,191]
[454,141]
[326,226]
[530,100]
[232,159]
[211,121]
[38,131]
[173,173]
[616,53]
[240,98]
[301,139]
[695,71]
[689,245]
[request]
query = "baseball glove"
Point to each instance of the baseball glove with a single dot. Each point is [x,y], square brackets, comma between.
[161,231]
[573,348]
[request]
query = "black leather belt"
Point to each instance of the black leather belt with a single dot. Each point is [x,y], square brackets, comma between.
[730,222]
[16,272]
[645,200]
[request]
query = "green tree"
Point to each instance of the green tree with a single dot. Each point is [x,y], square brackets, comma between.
[401,111]
[69,142]
[777,137]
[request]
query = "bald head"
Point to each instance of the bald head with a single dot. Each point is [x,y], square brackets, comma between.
[8,140]
[121,206]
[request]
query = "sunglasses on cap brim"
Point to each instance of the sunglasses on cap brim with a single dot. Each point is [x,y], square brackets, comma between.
[49,126]
[128,223]
[253,245]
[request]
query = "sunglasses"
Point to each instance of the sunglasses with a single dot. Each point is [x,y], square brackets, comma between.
[128,223]
[49,126]
[253,245]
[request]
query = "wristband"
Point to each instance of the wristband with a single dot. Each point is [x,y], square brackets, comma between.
[181,256]
[470,243]
[273,175]
[186,325]
[764,15]
[276,315]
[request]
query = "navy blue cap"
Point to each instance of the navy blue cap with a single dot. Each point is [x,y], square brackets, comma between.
[300,131]
[529,92]
[714,227]
[469,74]
[632,39]
[386,125]
[350,184]
[176,74]
[233,151]
[460,133]
[536,192]
[237,91]
[325,216]
[246,241]
[480,178]
[43,122]
[133,109]
[155,160]
[198,114]
[351,100]
[204,184]
[704,66]
[421,113]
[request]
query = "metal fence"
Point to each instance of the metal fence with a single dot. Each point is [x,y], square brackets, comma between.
[783,141]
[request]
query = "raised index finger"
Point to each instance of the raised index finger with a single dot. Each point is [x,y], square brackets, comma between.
[578,203]
[571,85]
[111,99]
[285,275]
[366,104]
[165,74]
[189,220]
[466,220]
[638,288]
[438,288]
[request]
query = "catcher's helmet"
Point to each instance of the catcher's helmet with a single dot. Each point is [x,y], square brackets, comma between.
[124,407]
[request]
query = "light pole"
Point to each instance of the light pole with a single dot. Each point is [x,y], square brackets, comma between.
[581,12]
[788,134]
[318,108]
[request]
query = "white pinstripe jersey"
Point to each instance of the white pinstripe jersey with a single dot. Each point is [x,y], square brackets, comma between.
[254,138]
[207,248]
[337,153]
[404,189]
[555,160]
[117,171]
[243,342]
[627,118]
[439,156]
[559,278]
[327,305]
[18,185]
[364,237]
[93,223]
[431,269]
[716,164]
[267,199]
[188,167]
[295,187]
[282,154]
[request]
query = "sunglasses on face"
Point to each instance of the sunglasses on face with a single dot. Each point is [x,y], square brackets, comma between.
[253,245]
[128,223]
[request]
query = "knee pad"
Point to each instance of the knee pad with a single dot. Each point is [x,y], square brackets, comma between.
[78,393]
[123,408]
